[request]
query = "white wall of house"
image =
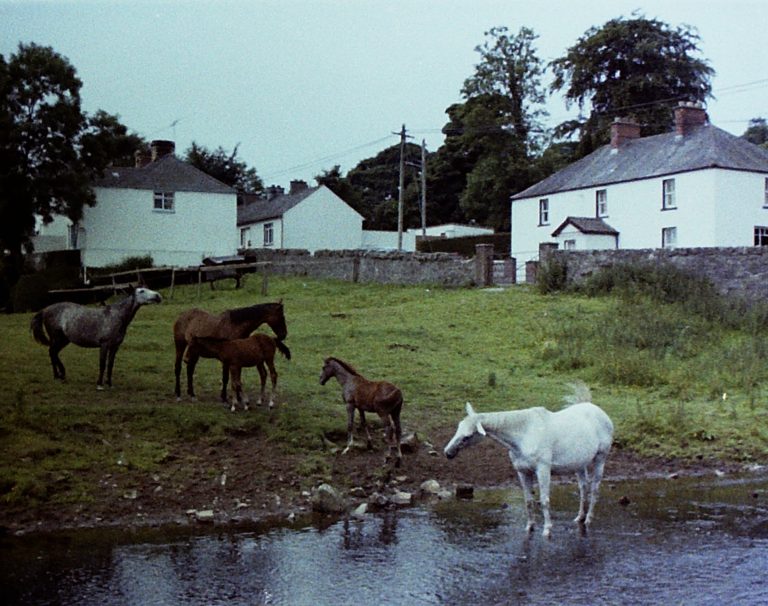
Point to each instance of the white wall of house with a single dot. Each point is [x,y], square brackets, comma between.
[387,240]
[453,230]
[124,223]
[321,221]
[262,234]
[714,207]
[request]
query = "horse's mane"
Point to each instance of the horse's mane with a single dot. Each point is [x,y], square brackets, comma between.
[345,366]
[243,314]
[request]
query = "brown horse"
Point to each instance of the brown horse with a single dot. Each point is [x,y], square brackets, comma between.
[257,350]
[230,324]
[359,393]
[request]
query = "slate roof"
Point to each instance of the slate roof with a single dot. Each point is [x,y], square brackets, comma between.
[165,174]
[706,146]
[587,225]
[263,209]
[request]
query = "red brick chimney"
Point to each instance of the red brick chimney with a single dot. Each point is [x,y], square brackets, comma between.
[623,130]
[688,116]
[161,148]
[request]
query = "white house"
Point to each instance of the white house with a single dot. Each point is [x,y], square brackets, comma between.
[698,186]
[311,218]
[161,207]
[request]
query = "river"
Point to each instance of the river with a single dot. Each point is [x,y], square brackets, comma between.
[684,541]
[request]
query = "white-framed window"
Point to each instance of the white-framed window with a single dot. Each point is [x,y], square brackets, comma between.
[601,203]
[669,237]
[164,201]
[569,245]
[245,237]
[269,234]
[765,196]
[761,235]
[544,211]
[668,200]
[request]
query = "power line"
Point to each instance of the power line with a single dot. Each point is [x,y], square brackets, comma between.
[327,158]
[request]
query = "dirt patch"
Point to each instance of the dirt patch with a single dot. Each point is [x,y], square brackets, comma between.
[250,479]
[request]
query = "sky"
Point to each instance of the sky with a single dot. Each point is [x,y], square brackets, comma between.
[303,85]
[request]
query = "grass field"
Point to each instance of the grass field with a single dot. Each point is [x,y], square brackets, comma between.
[675,385]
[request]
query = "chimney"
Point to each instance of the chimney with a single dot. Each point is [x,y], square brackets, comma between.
[273,191]
[623,130]
[161,148]
[689,115]
[298,185]
[142,157]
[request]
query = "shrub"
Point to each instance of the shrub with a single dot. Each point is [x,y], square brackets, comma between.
[552,275]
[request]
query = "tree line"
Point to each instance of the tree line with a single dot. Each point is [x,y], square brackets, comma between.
[496,143]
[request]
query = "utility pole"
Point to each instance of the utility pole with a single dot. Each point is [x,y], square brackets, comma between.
[400,195]
[423,188]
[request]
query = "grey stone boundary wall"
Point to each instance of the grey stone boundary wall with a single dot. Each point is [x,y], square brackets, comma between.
[739,271]
[443,269]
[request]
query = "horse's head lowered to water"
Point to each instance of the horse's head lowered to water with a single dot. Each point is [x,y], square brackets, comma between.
[469,431]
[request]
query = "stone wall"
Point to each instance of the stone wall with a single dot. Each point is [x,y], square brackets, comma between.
[444,269]
[741,271]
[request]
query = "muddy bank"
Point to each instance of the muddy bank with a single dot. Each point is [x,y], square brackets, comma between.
[249,479]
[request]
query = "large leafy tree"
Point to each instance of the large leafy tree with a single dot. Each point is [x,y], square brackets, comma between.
[635,67]
[492,136]
[226,167]
[50,150]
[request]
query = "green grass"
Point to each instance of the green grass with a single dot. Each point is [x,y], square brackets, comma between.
[658,371]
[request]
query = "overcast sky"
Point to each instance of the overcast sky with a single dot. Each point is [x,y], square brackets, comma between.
[302,85]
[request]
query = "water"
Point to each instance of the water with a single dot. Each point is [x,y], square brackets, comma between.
[692,541]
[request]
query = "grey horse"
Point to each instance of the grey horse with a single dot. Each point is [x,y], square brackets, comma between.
[102,327]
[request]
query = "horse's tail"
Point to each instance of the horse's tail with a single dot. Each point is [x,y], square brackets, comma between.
[283,349]
[38,330]
[580,392]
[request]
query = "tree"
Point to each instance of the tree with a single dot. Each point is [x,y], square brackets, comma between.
[50,150]
[510,69]
[638,68]
[225,167]
[757,132]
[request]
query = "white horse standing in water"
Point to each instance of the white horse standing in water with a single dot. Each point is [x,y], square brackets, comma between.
[540,442]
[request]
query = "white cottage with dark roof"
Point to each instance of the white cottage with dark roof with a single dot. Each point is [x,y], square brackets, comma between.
[162,207]
[311,218]
[698,186]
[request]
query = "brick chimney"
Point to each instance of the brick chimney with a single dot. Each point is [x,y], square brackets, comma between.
[689,115]
[142,157]
[273,191]
[298,185]
[623,130]
[161,148]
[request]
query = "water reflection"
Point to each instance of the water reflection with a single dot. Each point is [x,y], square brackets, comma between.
[691,541]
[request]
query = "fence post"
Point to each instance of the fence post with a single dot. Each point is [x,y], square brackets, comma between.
[484,264]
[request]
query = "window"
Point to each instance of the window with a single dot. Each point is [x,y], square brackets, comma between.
[164,201]
[765,197]
[668,198]
[245,237]
[669,237]
[601,203]
[269,234]
[761,235]
[569,245]
[544,211]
